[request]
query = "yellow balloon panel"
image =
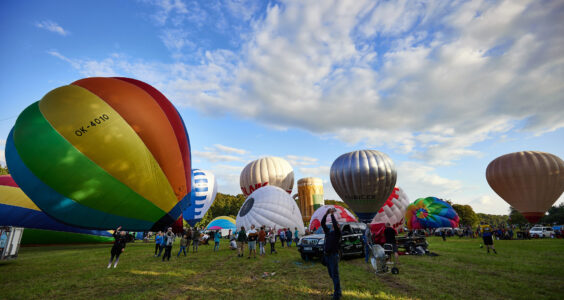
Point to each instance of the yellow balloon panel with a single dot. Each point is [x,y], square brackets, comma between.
[100,133]
[16,197]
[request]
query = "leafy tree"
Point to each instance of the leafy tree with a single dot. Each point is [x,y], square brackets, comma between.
[223,205]
[516,218]
[466,214]
[494,220]
[555,215]
[4,170]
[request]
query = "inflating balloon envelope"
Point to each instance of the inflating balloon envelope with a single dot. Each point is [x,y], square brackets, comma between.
[16,209]
[204,191]
[101,153]
[430,212]
[272,207]
[364,180]
[270,170]
[530,181]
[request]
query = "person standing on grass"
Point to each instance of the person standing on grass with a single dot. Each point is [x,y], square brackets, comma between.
[367,240]
[486,231]
[119,246]
[262,241]
[216,239]
[158,241]
[282,236]
[331,250]
[272,240]
[195,239]
[168,240]
[241,240]
[189,234]
[296,235]
[183,245]
[252,237]
[162,244]
[288,237]
[390,235]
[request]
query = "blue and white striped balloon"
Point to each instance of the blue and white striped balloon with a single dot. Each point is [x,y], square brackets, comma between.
[204,190]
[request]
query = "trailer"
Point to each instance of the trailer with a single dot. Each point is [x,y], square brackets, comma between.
[10,238]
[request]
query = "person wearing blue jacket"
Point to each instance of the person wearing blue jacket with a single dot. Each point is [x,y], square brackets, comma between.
[161,244]
[158,241]
[216,239]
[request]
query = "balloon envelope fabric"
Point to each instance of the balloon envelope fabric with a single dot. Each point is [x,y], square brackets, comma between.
[393,211]
[430,212]
[222,222]
[204,190]
[16,209]
[101,153]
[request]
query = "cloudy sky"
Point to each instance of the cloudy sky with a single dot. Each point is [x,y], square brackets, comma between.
[442,87]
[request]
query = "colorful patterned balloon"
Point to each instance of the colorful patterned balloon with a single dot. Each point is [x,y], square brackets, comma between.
[430,212]
[16,209]
[103,152]
[222,222]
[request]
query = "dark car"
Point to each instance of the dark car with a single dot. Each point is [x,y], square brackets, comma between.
[351,241]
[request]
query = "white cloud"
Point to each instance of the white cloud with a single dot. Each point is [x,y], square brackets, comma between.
[52,26]
[430,80]
[168,10]
[227,149]
[227,178]
[221,153]
[422,181]
[297,161]
[320,171]
[215,157]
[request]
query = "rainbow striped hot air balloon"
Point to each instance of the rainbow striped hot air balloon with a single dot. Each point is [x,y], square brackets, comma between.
[222,222]
[16,209]
[101,153]
[430,212]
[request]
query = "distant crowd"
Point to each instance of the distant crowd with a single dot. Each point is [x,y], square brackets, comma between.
[237,240]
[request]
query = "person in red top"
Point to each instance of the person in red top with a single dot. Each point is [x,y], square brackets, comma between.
[262,241]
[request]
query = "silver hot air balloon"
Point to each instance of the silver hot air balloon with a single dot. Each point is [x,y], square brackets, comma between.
[364,179]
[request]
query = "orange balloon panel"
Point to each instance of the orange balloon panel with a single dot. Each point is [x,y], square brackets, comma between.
[530,181]
[147,119]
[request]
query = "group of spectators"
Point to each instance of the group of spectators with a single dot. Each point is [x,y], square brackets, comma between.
[262,236]
[164,241]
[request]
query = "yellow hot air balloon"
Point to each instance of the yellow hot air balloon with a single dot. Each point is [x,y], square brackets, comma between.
[265,171]
[530,181]
[310,196]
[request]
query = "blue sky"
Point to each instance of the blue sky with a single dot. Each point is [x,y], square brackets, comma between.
[442,87]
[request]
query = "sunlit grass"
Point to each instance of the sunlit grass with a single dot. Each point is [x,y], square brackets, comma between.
[522,270]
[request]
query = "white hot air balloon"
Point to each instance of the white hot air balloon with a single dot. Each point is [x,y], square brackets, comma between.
[393,211]
[204,190]
[342,215]
[265,171]
[272,207]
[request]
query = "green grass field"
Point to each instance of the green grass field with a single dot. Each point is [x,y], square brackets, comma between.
[532,269]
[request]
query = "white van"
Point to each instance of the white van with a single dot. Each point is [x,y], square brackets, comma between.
[541,232]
